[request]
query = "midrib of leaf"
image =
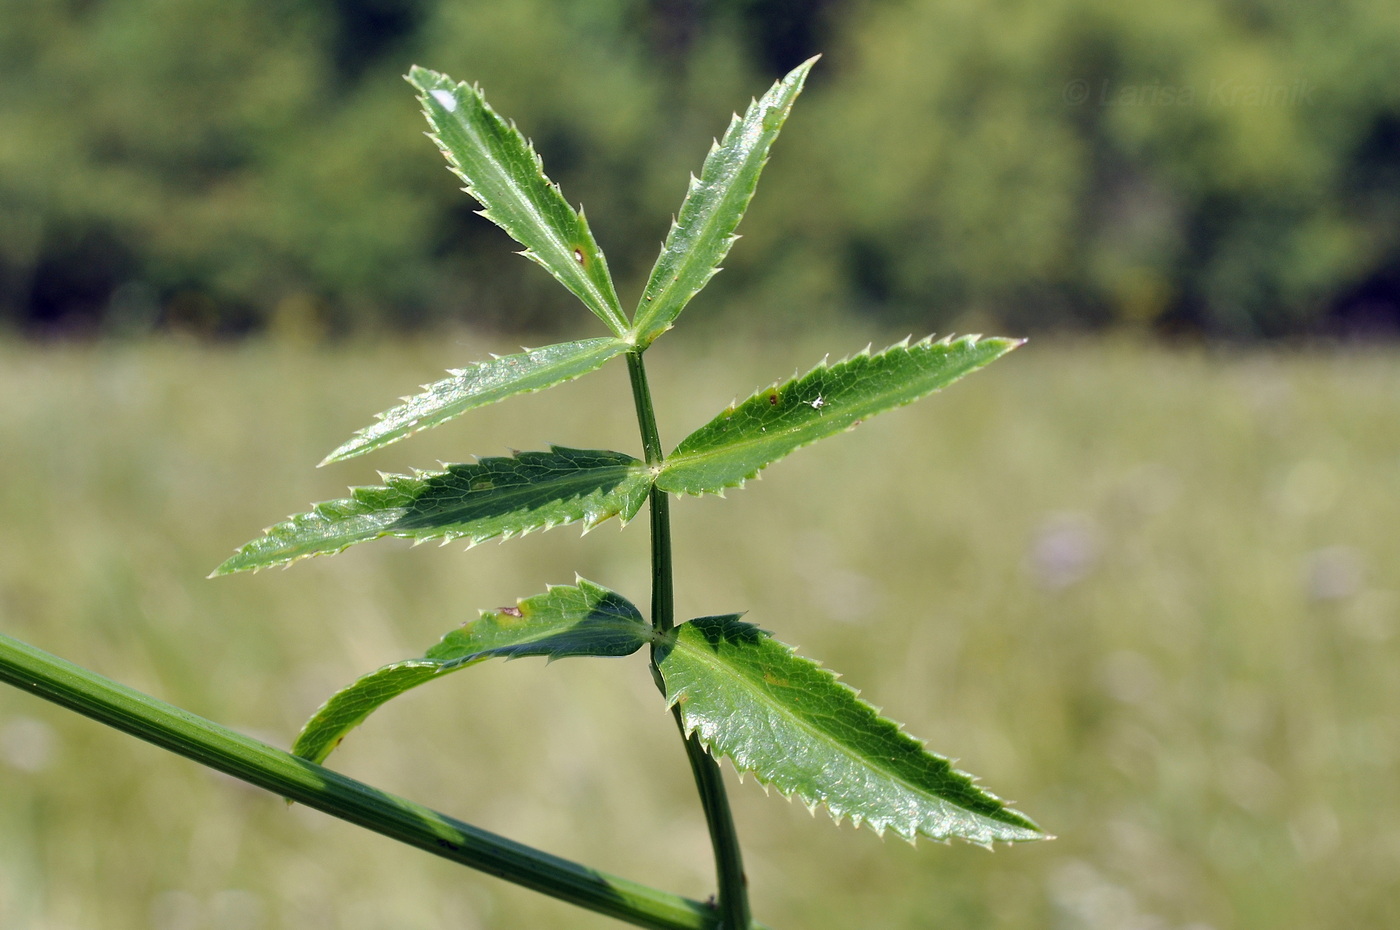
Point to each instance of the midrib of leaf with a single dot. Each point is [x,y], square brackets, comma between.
[511,497]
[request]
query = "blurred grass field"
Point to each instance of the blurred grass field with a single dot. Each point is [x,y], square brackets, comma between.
[1153,595]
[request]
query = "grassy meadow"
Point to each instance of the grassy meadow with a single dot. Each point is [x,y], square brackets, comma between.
[1152,595]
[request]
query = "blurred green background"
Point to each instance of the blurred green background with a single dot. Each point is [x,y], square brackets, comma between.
[1147,588]
[1220,166]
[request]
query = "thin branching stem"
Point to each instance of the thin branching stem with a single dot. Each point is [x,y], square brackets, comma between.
[733,900]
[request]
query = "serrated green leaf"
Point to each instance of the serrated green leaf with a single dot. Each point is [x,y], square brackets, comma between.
[481,384]
[567,620]
[829,399]
[502,171]
[701,235]
[797,728]
[477,501]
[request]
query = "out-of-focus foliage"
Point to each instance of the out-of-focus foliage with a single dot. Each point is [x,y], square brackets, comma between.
[1233,166]
[172,159]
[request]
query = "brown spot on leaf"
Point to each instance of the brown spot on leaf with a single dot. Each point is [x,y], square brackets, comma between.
[512,611]
[578,256]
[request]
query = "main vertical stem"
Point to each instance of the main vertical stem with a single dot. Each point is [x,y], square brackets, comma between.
[733,899]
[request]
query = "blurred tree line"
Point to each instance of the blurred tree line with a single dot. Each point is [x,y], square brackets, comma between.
[1224,166]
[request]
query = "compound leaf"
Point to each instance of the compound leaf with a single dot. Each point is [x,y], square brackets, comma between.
[701,235]
[797,728]
[829,399]
[502,171]
[481,384]
[507,496]
[567,620]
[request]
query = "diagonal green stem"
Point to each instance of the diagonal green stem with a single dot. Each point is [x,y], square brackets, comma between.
[733,898]
[181,732]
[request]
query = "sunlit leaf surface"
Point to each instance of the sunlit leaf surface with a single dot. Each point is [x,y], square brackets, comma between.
[829,399]
[796,727]
[702,233]
[481,384]
[502,171]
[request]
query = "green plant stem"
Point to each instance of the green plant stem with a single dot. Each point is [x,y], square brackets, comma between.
[724,838]
[646,413]
[663,598]
[209,744]
[733,898]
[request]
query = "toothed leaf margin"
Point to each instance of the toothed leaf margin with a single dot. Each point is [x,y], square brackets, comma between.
[503,172]
[478,385]
[829,399]
[493,497]
[714,204]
